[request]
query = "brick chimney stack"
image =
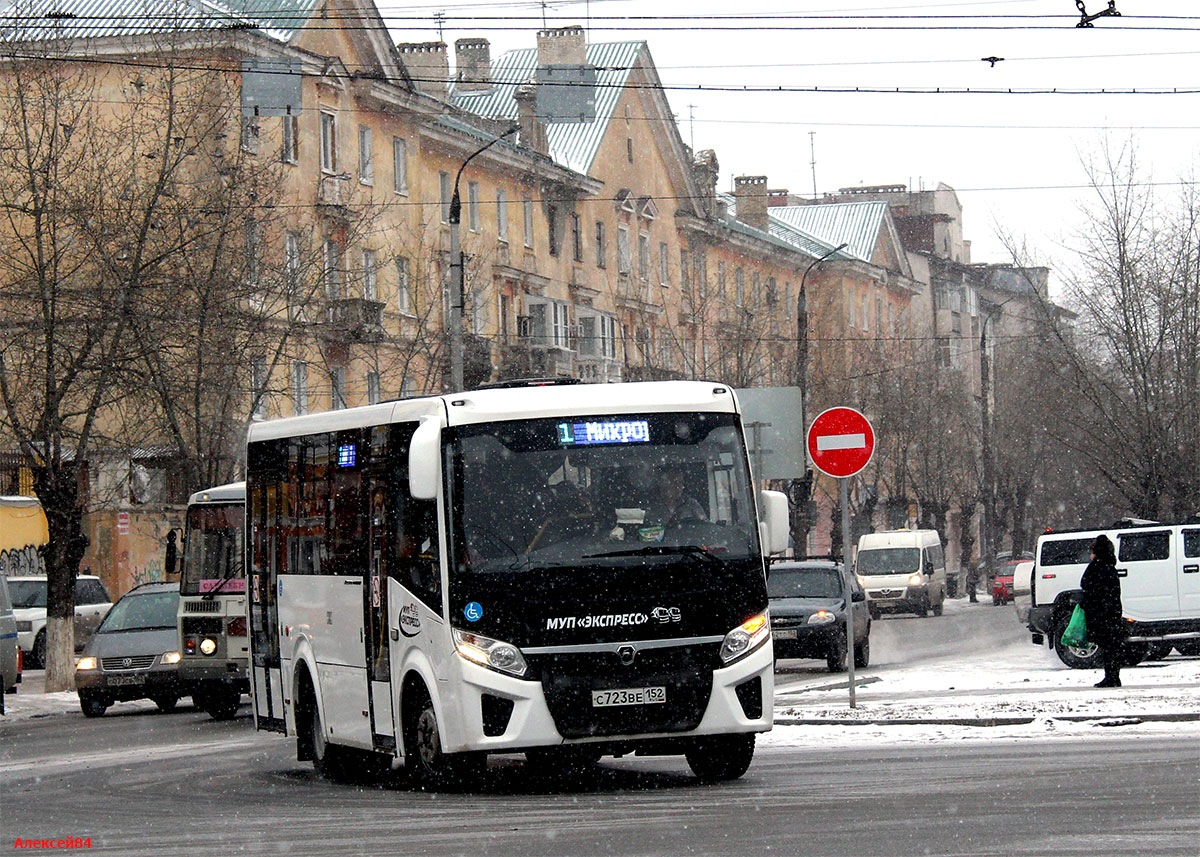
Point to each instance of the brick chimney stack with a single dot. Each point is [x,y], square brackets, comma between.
[562,46]
[533,131]
[751,195]
[472,66]
[428,65]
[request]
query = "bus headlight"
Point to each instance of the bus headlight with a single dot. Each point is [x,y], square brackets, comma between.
[495,654]
[169,658]
[207,646]
[88,663]
[746,637]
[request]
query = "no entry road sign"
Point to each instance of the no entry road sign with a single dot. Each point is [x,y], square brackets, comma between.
[840,442]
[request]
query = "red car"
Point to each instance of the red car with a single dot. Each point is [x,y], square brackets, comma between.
[1002,583]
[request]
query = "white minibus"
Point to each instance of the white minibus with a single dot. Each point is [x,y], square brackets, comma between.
[565,571]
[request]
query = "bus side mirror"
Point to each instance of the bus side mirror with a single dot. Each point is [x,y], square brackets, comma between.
[425,460]
[776,522]
[171,560]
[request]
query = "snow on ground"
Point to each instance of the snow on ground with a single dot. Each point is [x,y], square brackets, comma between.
[973,694]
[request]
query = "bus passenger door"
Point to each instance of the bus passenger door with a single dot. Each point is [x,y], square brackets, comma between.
[383,729]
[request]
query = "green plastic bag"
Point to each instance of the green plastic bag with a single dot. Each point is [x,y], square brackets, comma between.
[1075,635]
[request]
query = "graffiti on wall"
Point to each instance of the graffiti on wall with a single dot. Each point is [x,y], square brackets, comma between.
[151,572]
[19,561]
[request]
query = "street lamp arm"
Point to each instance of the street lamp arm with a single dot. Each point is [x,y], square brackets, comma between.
[455,199]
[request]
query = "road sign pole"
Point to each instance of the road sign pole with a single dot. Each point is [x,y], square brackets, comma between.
[848,590]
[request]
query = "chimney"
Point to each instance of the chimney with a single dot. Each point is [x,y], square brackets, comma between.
[705,171]
[472,66]
[533,130]
[751,195]
[778,198]
[428,65]
[562,46]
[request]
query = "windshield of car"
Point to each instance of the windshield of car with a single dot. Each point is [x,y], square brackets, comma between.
[141,612]
[27,593]
[804,583]
[888,561]
[553,492]
[212,556]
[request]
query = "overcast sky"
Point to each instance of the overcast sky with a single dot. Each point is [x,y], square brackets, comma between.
[1007,155]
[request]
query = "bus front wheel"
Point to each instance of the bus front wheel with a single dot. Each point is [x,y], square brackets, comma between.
[721,757]
[423,755]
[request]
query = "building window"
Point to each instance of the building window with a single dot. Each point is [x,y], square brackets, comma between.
[501,216]
[853,302]
[597,335]
[552,228]
[772,294]
[700,270]
[289,152]
[878,316]
[664,265]
[866,315]
[405,299]
[366,155]
[292,262]
[400,166]
[623,262]
[299,387]
[374,389]
[250,134]
[331,275]
[328,142]
[601,247]
[643,256]
[370,275]
[548,323]
[685,278]
[576,238]
[629,149]
[473,206]
[721,279]
[444,194]
[337,388]
[504,323]
[739,287]
[258,388]
[527,220]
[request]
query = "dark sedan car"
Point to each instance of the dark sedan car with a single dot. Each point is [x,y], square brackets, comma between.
[134,654]
[808,617]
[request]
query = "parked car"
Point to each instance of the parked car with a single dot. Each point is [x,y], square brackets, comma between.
[10,654]
[1159,569]
[1006,567]
[808,612]
[29,606]
[134,653]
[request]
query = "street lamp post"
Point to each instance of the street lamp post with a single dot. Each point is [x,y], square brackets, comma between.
[456,268]
[802,488]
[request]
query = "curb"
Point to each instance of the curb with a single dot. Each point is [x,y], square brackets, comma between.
[1103,719]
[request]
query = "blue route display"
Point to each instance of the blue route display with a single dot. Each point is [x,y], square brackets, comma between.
[592,433]
[347,455]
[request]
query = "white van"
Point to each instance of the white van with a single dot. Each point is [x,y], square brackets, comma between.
[1159,567]
[903,571]
[10,656]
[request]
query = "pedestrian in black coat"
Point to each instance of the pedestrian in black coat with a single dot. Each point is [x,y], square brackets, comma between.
[1102,608]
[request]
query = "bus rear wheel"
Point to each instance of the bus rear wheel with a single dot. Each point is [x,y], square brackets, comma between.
[423,755]
[721,757]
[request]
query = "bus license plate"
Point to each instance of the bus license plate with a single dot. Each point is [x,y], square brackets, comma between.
[629,696]
[789,634]
[117,680]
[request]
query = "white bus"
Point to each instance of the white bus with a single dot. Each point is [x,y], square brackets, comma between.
[564,571]
[214,646]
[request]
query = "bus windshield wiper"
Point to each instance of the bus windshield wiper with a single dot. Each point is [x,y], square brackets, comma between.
[212,593]
[660,550]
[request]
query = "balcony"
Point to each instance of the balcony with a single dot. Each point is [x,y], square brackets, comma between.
[333,197]
[526,360]
[598,370]
[356,319]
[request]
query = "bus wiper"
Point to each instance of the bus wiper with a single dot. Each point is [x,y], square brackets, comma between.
[660,550]
[212,593]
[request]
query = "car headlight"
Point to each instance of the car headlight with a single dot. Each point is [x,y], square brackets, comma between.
[862,581]
[207,646]
[87,663]
[169,658]
[821,617]
[496,654]
[746,637]
[24,625]
[916,580]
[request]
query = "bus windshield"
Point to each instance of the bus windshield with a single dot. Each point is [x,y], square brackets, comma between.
[212,557]
[588,491]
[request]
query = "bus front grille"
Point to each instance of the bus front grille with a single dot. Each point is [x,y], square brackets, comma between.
[568,680]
